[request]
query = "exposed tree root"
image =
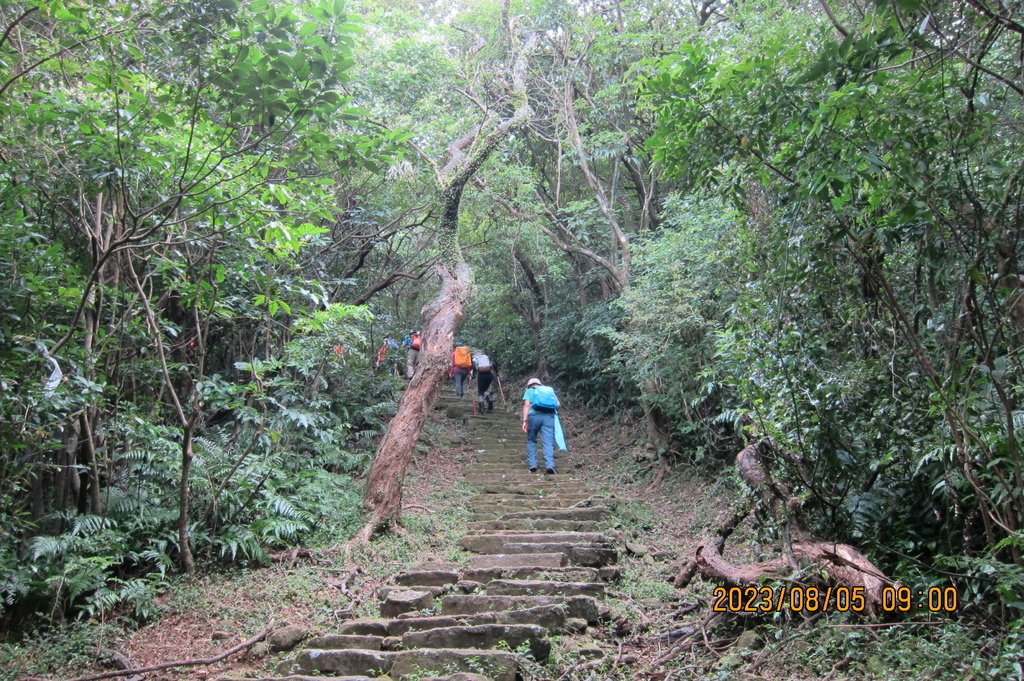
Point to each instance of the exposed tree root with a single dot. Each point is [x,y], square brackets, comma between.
[687,572]
[834,563]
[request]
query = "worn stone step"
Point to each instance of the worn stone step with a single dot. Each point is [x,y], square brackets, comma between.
[551,617]
[383,592]
[535,490]
[530,587]
[370,663]
[493,543]
[537,561]
[504,498]
[592,512]
[482,636]
[420,664]
[513,504]
[533,524]
[568,574]
[540,484]
[582,607]
[345,642]
[518,476]
[427,577]
[587,555]
[297,677]
[405,599]
[496,512]
[401,665]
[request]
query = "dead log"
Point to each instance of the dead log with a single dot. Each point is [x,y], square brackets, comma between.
[833,563]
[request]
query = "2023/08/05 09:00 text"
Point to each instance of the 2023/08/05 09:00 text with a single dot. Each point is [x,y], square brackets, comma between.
[838,599]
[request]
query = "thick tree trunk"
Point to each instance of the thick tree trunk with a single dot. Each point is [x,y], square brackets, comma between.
[383,496]
[184,489]
[383,499]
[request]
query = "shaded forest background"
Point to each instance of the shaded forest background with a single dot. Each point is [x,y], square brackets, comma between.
[730,220]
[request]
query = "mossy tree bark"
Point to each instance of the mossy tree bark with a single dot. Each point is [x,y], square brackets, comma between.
[383,496]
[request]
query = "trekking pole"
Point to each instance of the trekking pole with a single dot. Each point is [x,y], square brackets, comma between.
[500,391]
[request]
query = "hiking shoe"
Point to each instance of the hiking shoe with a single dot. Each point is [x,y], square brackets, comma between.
[549,471]
[533,470]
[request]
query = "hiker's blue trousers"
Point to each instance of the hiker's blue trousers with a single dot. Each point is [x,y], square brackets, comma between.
[543,423]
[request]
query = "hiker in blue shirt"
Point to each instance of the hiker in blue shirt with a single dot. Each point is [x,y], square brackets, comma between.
[540,405]
[414,341]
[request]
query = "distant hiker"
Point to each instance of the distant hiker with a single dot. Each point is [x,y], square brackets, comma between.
[540,405]
[415,343]
[462,364]
[484,371]
[382,353]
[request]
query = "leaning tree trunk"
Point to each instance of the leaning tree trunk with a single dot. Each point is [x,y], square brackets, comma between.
[383,496]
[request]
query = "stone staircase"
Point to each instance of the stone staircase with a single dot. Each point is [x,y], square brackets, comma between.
[537,564]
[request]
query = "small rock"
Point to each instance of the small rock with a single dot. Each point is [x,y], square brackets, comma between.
[649,559]
[589,652]
[286,638]
[219,635]
[261,649]
[467,586]
[604,613]
[391,643]
[748,640]
[730,661]
[399,602]
[576,625]
[637,549]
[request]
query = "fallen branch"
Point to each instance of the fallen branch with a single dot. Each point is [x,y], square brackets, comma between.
[121,661]
[685,642]
[183,663]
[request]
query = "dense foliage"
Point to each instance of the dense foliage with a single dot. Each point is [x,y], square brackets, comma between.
[788,220]
[180,373]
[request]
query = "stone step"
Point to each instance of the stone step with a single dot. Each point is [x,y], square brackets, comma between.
[522,502]
[494,543]
[534,490]
[568,574]
[551,617]
[529,587]
[535,561]
[427,577]
[405,599]
[587,555]
[591,512]
[428,662]
[482,636]
[581,607]
[345,642]
[517,474]
[532,524]
[297,677]
[344,662]
[516,505]
[384,592]
[403,665]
